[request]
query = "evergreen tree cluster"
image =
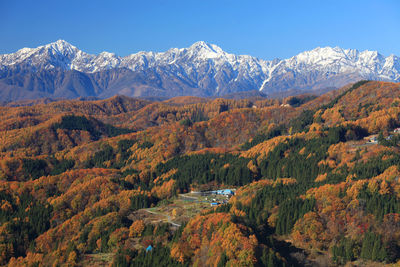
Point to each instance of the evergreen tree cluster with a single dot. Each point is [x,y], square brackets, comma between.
[142,201]
[298,101]
[302,122]
[158,256]
[269,197]
[60,166]
[145,144]
[261,137]
[290,211]
[379,204]
[94,127]
[225,169]
[123,148]
[345,250]
[373,248]
[27,219]
[298,158]
[107,153]
[36,168]
[104,235]
[375,165]
[278,164]
[269,259]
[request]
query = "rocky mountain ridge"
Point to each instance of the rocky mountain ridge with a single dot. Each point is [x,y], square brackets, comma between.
[60,69]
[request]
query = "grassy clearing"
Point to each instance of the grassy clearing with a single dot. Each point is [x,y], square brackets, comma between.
[98,259]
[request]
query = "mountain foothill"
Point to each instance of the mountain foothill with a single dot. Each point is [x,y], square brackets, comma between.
[305,180]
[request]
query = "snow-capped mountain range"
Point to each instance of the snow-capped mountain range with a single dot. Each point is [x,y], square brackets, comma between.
[60,69]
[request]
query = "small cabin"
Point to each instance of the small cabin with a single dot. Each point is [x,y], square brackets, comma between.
[228,192]
[213,204]
[225,192]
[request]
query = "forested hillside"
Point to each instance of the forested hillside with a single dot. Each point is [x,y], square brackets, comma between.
[111,182]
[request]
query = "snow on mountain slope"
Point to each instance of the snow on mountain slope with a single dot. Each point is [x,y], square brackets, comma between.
[204,69]
[328,64]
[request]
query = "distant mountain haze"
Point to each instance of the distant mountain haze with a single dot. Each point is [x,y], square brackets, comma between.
[60,70]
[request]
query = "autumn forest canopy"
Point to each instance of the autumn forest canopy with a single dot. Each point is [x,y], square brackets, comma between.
[313,181]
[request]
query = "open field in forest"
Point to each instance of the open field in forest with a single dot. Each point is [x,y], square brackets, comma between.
[179,209]
[97,259]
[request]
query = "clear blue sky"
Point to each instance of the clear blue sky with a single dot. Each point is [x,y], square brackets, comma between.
[265,29]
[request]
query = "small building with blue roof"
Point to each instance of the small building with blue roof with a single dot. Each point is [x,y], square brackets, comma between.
[225,192]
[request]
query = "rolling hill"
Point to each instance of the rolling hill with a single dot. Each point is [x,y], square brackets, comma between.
[102,182]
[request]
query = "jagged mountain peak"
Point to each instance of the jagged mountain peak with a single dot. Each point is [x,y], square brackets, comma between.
[107,54]
[207,49]
[60,45]
[63,48]
[323,53]
[200,45]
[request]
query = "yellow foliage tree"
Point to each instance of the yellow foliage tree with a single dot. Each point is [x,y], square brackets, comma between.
[136,228]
